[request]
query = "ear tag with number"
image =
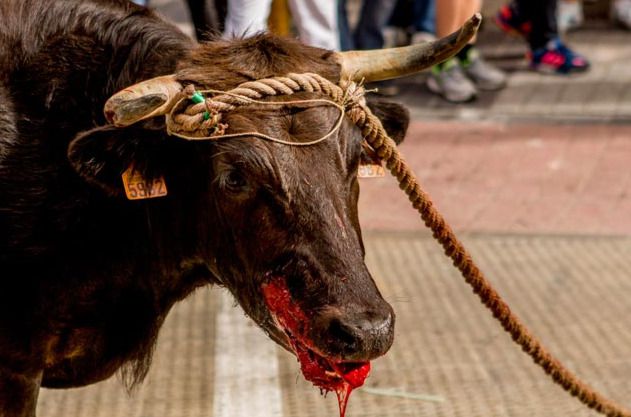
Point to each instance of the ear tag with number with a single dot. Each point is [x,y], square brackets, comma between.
[371,171]
[139,188]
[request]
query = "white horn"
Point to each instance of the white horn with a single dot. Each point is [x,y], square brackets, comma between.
[385,64]
[151,98]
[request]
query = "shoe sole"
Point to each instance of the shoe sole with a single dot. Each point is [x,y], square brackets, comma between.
[490,87]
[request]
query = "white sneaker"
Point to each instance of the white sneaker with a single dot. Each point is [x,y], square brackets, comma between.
[451,83]
[569,15]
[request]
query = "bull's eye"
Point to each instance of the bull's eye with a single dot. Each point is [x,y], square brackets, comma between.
[234,181]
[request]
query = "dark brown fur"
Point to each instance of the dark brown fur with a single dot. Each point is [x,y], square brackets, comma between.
[88,277]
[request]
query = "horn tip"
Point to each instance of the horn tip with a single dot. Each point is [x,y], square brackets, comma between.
[476,19]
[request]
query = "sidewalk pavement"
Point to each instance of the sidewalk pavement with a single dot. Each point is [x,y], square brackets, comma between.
[510,177]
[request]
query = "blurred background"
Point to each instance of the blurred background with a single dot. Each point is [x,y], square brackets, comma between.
[535,176]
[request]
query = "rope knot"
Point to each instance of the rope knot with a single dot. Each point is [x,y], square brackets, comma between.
[202,119]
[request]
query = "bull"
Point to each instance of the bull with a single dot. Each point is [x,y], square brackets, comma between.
[88,276]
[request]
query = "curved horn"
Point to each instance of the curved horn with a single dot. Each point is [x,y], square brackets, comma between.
[141,101]
[384,64]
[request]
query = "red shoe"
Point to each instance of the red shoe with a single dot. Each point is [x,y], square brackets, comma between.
[556,58]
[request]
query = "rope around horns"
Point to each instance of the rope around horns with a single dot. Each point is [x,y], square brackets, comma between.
[376,136]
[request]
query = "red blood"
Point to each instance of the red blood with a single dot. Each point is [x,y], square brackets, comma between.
[341,377]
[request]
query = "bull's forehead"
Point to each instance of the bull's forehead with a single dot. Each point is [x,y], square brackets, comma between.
[325,163]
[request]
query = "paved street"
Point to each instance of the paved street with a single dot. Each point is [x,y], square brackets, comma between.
[448,351]
[535,178]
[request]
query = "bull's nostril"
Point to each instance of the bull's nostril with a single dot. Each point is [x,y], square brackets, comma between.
[353,335]
[343,334]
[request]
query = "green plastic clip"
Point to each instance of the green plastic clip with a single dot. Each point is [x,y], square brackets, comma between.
[206,115]
[197,97]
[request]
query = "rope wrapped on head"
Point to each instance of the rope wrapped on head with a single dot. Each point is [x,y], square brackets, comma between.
[187,119]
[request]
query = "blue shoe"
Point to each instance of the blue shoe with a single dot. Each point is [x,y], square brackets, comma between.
[556,58]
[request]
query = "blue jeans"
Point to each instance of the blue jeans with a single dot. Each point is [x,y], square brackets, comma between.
[374,15]
[420,15]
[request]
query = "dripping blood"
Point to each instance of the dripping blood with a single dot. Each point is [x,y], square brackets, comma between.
[327,374]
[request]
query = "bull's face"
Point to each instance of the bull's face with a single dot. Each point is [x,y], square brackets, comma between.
[290,246]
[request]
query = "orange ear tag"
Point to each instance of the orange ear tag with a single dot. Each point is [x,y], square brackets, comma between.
[371,171]
[138,188]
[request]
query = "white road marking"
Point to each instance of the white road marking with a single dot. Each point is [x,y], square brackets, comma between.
[246,367]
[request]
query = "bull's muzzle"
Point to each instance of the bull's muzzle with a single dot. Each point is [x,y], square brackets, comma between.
[352,333]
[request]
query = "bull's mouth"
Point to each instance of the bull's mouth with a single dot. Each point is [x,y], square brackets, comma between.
[329,374]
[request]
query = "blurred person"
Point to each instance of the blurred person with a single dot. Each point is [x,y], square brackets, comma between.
[536,21]
[417,18]
[316,20]
[621,13]
[373,17]
[369,33]
[207,18]
[459,78]
[569,15]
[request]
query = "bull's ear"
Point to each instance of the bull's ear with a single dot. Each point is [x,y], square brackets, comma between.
[394,117]
[101,155]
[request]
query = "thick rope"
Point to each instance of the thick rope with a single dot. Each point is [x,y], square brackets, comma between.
[386,149]
[202,121]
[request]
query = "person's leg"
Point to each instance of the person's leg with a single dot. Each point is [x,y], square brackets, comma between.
[547,52]
[569,15]
[621,13]
[448,13]
[205,17]
[246,17]
[424,16]
[484,75]
[373,18]
[346,38]
[448,79]
[401,16]
[317,22]
[542,16]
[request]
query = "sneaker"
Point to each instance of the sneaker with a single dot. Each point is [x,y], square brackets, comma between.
[451,83]
[485,76]
[621,13]
[509,20]
[569,15]
[557,58]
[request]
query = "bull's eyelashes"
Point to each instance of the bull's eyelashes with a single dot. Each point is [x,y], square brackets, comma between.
[233,181]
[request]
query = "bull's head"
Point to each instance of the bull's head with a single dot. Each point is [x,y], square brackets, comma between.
[275,224]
